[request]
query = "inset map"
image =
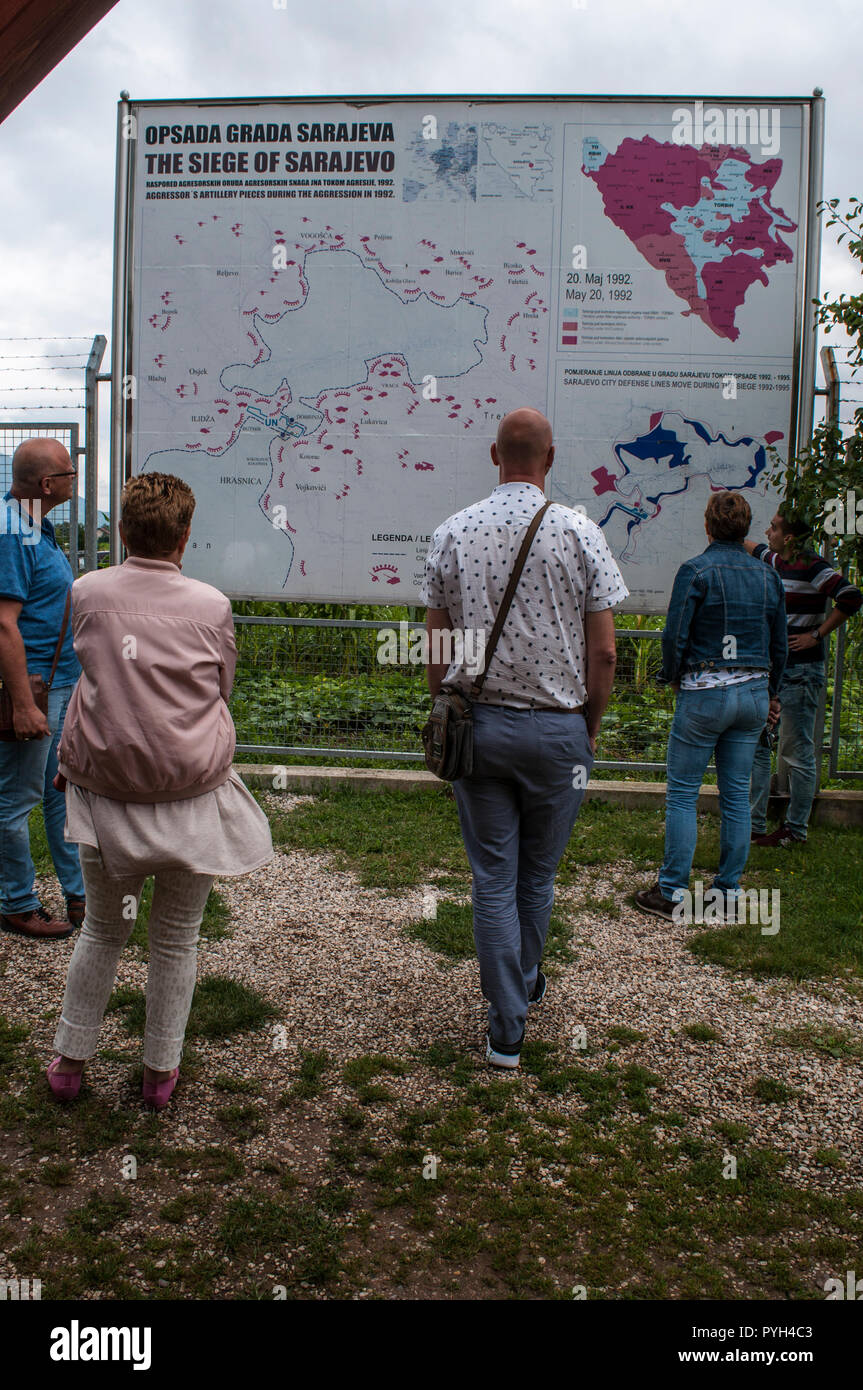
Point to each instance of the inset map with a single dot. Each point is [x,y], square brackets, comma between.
[442,170]
[516,162]
[642,490]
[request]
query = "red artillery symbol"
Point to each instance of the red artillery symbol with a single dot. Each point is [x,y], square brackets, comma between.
[387,572]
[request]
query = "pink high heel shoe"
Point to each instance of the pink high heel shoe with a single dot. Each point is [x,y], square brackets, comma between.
[158,1093]
[65,1085]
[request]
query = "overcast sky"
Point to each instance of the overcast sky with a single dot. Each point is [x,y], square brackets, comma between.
[57,150]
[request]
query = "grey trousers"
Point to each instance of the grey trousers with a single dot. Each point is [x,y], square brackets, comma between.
[517,810]
[179,899]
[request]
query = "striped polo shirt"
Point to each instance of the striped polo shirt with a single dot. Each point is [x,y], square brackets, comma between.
[809,583]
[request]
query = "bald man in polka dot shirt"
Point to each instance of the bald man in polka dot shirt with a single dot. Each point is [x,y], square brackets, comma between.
[538,715]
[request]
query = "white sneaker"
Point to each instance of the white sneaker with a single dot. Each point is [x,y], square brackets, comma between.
[495,1058]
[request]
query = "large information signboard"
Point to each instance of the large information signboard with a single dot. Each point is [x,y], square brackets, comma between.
[327,306]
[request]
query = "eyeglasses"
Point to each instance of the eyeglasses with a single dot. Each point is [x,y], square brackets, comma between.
[73,474]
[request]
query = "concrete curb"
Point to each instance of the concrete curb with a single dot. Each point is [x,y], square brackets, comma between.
[831,807]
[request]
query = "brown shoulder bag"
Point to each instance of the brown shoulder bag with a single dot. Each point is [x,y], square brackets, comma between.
[37,685]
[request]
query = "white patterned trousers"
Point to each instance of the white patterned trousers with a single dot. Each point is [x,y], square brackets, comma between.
[179,899]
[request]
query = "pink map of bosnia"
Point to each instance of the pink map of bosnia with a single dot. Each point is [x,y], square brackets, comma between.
[701,216]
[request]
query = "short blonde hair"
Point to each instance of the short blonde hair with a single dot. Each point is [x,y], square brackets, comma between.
[728,516]
[155,513]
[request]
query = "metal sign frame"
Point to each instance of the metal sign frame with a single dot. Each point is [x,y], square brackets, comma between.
[811,173]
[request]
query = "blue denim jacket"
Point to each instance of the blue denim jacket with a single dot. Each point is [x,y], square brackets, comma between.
[719,595]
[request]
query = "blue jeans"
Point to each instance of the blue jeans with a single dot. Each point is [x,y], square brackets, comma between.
[729,720]
[799,693]
[27,772]
[517,810]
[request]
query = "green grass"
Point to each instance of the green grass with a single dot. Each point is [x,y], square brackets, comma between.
[528,1199]
[100,1213]
[825,1041]
[60,1174]
[450,933]
[572,1172]
[236,1085]
[772,1091]
[243,1121]
[629,1217]
[622,1034]
[830,1158]
[187,1204]
[214,1162]
[821,901]
[603,1091]
[254,1224]
[731,1129]
[221,1007]
[393,840]
[361,1070]
[398,840]
[309,1084]
[11,1037]
[701,1032]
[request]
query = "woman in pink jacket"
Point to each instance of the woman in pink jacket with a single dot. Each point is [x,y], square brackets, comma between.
[146,760]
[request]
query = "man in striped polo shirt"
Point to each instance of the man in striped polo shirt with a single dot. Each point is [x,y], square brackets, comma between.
[809,583]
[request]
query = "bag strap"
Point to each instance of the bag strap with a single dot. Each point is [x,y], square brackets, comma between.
[508,598]
[62,636]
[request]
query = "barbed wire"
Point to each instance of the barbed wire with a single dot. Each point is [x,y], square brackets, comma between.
[65,338]
[31,408]
[27,356]
[49,368]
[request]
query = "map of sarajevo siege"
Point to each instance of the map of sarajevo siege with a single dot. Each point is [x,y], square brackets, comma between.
[334,304]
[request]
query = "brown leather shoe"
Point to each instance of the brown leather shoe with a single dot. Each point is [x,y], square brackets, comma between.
[780,838]
[75,910]
[39,925]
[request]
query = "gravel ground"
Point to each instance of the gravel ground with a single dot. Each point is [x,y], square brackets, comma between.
[332,958]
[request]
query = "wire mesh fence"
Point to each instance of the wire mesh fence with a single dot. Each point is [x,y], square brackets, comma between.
[66,519]
[317,688]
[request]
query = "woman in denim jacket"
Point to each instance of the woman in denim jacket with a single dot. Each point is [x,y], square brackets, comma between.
[724,649]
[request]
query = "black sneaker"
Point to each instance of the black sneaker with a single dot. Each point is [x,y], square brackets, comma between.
[654,900]
[539,989]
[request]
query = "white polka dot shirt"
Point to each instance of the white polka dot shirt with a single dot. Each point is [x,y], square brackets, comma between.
[539,661]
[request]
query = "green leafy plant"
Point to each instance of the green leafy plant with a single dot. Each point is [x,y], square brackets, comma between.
[831,465]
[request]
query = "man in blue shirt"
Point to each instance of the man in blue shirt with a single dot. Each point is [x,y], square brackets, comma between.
[35,578]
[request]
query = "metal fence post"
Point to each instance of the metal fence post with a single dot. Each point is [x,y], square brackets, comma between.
[836,715]
[831,377]
[91,453]
[75,455]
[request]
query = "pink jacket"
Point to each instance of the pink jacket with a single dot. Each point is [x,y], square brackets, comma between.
[147,720]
